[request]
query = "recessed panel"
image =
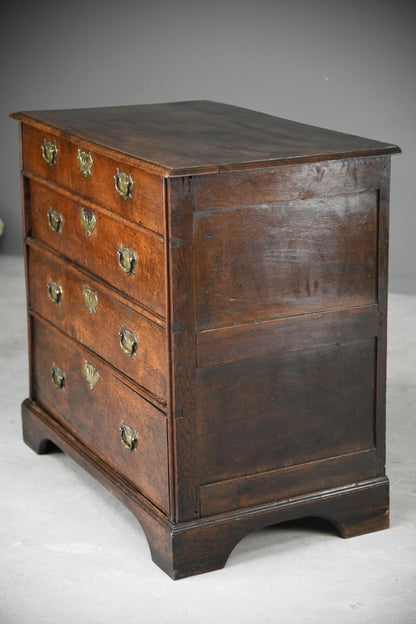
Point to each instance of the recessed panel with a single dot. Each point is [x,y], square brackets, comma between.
[268,261]
[259,415]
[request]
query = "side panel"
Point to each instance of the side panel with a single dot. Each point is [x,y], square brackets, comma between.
[285,258]
[290,306]
[270,413]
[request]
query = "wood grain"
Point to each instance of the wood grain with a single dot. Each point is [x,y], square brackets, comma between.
[99,252]
[146,204]
[183,352]
[261,488]
[204,545]
[264,414]
[292,333]
[275,260]
[95,415]
[258,299]
[184,138]
[234,189]
[100,330]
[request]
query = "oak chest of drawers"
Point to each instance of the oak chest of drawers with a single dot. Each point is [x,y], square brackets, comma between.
[207,317]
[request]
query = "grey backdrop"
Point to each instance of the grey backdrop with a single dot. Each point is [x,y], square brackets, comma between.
[348,66]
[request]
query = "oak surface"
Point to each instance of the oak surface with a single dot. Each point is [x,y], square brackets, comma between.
[233,376]
[184,138]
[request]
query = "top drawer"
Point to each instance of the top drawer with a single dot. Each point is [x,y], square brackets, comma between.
[138,196]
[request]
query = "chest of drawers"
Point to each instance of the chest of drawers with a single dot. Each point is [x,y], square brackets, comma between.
[207,295]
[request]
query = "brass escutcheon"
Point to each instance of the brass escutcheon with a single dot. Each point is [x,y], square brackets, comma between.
[128,341]
[127,259]
[124,183]
[88,221]
[91,375]
[84,162]
[55,220]
[49,151]
[57,377]
[54,291]
[90,299]
[129,437]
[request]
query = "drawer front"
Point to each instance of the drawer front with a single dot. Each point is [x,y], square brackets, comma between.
[97,407]
[130,260]
[91,314]
[96,177]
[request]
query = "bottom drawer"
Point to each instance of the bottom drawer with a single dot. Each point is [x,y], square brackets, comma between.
[117,424]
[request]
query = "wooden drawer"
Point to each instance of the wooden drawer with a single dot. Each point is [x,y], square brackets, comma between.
[94,316]
[97,413]
[99,250]
[145,206]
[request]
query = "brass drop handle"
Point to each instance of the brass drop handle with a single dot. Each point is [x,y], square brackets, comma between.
[88,221]
[85,162]
[54,292]
[57,377]
[124,183]
[128,341]
[129,437]
[49,151]
[127,259]
[55,220]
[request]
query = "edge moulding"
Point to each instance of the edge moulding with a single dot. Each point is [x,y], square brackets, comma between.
[205,545]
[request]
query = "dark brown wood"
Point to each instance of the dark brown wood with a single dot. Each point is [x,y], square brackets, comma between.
[286,183]
[382,258]
[95,415]
[191,548]
[259,488]
[183,351]
[261,262]
[99,252]
[98,330]
[184,138]
[146,204]
[286,410]
[292,333]
[255,390]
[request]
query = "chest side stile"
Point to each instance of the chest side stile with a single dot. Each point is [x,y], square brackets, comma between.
[382,293]
[26,230]
[185,456]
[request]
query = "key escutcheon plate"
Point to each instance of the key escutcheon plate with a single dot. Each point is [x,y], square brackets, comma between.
[90,298]
[85,162]
[91,374]
[55,220]
[88,221]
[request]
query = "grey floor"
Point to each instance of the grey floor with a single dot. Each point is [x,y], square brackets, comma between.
[70,552]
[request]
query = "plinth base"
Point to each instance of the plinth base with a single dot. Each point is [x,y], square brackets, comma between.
[204,545]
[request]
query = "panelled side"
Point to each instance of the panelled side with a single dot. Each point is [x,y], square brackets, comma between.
[289,269]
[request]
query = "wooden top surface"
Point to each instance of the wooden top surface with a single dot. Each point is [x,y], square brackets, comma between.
[185,138]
